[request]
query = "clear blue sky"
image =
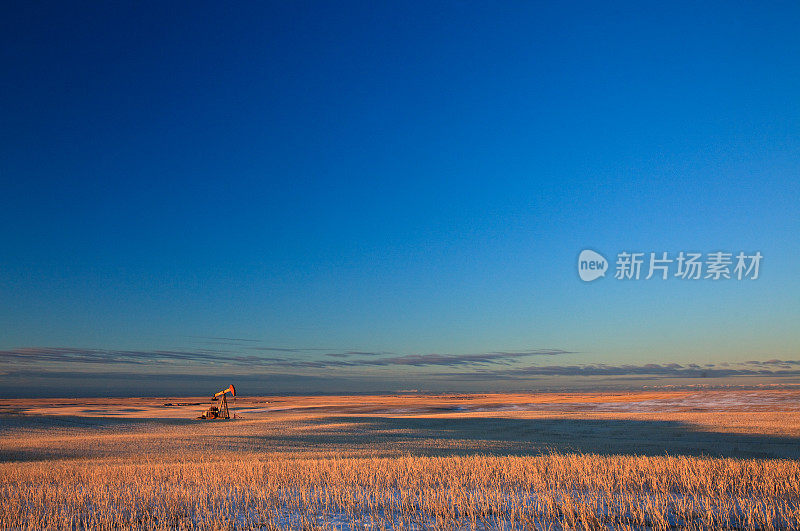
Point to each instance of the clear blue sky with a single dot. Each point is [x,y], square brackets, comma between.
[344,183]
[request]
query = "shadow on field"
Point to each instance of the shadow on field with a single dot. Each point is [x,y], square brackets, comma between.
[67,436]
[9,422]
[24,438]
[535,436]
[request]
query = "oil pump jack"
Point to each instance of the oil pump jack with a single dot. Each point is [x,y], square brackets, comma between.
[220,412]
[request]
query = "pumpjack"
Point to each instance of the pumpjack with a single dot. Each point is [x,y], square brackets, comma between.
[220,412]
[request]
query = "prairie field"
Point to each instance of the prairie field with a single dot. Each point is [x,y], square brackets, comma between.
[639,460]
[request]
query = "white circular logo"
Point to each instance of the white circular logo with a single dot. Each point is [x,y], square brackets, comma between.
[591,265]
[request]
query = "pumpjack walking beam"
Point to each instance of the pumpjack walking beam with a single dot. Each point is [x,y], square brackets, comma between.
[220,412]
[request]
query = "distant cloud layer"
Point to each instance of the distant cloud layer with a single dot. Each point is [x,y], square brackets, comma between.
[39,355]
[666,370]
[487,366]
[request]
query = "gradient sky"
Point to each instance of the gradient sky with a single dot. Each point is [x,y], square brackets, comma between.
[286,192]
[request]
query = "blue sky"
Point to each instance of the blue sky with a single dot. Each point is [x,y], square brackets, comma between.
[396,181]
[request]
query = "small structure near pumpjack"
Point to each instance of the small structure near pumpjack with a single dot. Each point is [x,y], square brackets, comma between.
[220,412]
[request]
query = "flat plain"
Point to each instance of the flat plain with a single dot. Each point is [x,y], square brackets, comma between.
[639,460]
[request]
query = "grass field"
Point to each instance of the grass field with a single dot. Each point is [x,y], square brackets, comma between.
[707,459]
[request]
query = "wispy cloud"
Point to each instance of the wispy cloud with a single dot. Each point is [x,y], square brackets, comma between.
[357,353]
[292,350]
[451,360]
[373,359]
[38,355]
[228,339]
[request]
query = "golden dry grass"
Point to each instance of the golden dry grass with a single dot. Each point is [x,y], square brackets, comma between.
[283,490]
[464,462]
